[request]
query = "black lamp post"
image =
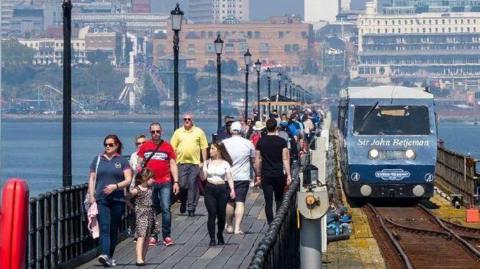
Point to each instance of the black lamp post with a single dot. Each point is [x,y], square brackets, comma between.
[218,49]
[258,68]
[248,61]
[287,81]
[279,76]
[67,94]
[177,18]
[269,79]
[292,87]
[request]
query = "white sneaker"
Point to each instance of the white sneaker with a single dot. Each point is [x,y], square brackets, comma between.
[113,262]
[104,260]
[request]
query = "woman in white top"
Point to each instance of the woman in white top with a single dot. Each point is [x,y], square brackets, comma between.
[216,171]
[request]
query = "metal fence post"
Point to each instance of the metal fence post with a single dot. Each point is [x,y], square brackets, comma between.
[32,236]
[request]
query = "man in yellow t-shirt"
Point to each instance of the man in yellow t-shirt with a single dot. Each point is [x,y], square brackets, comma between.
[189,142]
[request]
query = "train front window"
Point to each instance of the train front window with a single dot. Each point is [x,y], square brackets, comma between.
[391,120]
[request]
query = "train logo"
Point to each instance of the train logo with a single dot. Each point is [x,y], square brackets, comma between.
[428,177]
[355,176]
[392,174]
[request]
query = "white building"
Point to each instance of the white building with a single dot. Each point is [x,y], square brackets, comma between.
[428,45]
[320,10]
[7,14]
[50,51]
[218,11]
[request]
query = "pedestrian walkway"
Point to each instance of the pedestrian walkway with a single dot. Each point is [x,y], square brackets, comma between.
[191,248]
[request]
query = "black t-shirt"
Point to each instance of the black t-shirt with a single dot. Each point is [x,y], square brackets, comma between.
[271,147]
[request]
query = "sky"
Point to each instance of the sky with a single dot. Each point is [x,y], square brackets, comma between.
[259,9]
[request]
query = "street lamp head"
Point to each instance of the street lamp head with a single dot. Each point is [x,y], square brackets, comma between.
[258,65]
[218,44]
[177,18]
[248,58]
[279,76]
[269,72]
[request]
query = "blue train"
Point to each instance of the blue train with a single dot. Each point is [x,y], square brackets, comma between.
[388,142]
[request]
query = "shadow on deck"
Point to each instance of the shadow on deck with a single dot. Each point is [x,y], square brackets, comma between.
[191,248]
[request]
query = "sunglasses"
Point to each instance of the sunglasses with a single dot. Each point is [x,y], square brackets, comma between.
[155,131]
[187,119]
[139,143]
[111,145]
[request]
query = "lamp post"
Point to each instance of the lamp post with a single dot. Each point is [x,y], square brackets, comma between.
[287,81]
[177,18]
[67,94]
[279,76]
[248,61]
[258,67]
[218,49]
[269,79]
[292,88]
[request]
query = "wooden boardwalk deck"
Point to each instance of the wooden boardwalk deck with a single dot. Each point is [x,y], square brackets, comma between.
[191,248]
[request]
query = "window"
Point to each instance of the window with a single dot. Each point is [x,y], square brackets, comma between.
[257,34]
[281,34]
[295,47]
[210,47]
[287,48]
[191,49]
[264,47]
[242,47]
[229,47]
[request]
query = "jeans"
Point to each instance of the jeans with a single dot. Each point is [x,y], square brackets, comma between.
[271,186]
[216,204]
[161,201]
[109,217]
[189,193]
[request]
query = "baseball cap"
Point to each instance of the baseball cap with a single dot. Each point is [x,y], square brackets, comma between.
[236,126]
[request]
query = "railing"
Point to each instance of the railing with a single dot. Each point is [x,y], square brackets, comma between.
[57,233]
[456,174]
[279,248]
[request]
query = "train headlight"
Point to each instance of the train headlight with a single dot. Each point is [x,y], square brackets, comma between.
[373,154]
[410,154]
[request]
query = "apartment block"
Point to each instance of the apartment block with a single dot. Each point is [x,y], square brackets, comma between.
[279,44]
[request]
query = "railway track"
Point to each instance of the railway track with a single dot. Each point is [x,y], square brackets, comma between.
[412,237]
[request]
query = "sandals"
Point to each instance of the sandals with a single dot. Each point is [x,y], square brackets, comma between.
[229,230]
[239,232]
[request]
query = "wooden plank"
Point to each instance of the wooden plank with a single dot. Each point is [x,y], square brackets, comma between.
[222,258]
[191,236]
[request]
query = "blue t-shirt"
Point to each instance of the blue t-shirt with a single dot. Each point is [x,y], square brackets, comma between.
[109,172]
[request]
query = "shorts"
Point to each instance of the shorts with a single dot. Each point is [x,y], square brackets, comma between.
[241,190]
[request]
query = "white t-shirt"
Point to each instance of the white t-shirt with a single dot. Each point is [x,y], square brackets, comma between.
[240,150]
[216,171]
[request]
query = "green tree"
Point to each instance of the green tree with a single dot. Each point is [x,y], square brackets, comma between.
[16,63]
[98,56]
[230,67]
[150,94]
[15,54]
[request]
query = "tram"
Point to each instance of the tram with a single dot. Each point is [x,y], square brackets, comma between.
[388,142]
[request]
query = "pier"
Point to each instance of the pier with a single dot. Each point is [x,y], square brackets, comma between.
[191,248]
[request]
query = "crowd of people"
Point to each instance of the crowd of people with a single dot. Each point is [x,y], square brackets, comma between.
[242,155]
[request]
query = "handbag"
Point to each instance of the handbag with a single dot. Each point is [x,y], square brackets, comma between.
[86,203]
[201,183]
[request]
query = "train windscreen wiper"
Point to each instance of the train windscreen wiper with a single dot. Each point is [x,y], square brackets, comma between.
[364,119]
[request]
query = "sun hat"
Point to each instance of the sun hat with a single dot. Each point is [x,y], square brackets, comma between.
[259,125]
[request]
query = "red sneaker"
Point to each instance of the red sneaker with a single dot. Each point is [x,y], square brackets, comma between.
[168,241]
[153,242]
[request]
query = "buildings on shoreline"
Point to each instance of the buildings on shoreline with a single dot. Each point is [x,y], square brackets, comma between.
[432,45]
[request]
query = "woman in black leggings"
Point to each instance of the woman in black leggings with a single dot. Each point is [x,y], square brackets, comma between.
[216,171]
